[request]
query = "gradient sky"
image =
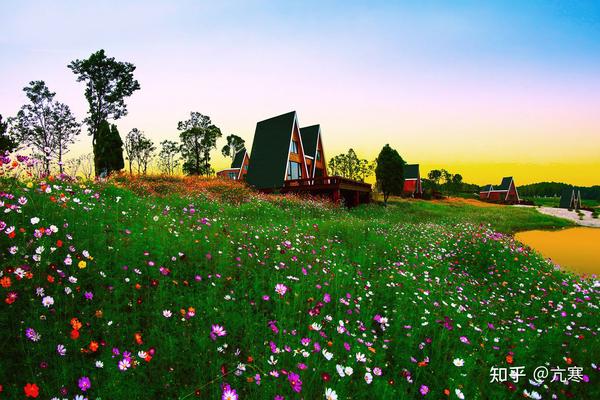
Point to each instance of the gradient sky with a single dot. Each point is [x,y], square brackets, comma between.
[483,88]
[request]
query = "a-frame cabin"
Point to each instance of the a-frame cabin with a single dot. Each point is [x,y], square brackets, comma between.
[570,198]
[506,192]
[239,167]
[313,147]
[286,159]
[277,153]
[413,186]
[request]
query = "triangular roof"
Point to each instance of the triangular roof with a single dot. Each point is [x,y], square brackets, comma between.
[238,160]
[411,171]
[270,150]
[505,185]
[487,188]
[310,138]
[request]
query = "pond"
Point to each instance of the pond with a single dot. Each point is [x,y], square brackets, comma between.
[574,249]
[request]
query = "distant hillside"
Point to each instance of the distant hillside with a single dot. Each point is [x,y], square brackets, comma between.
[554,189]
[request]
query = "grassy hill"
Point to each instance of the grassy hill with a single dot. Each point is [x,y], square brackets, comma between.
[165,288]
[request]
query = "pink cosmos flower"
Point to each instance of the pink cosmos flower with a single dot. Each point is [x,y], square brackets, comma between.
[295,382]
[281,289]
[229,393]
[216,331]
[84,383]
[423,390]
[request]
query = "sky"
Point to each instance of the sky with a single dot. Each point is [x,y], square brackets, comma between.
[484,89]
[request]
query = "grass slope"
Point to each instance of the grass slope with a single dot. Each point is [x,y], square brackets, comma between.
[215,288]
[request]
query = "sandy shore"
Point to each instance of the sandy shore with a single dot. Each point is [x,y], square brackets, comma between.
[570,215]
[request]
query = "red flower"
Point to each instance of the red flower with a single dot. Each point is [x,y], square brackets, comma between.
[59,243]
[32,390]
[74,334]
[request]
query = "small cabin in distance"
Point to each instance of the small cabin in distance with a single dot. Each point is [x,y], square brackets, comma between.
[570,198]
[239,167]
[506,192]
[413,186]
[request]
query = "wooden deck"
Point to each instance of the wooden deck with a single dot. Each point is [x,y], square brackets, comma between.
[337,188]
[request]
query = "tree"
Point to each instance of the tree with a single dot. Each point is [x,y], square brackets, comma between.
[233,146]
[66,128]
[198,137]
[44,124]
[108,82]
[146,151]
[457,182]
[87,165]
[435,175]
[131,145]
[7,142]
[108,150]
[389,172]
[350,166]
[168,159]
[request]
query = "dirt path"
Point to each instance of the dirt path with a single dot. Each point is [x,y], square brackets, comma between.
[570,215]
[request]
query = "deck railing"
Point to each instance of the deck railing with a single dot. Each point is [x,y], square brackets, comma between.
[325,181]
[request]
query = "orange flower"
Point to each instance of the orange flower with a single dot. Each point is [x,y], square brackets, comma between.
[93,346]
[32,390]
[75,324]
[138,338]
[50,279]
[5,282]
[509,359]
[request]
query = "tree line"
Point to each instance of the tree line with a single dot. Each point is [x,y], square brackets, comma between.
[49,127]
[555,189]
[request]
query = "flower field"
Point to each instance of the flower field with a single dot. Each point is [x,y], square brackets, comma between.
[116,291]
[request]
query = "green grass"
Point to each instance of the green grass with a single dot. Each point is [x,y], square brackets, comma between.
[449,285]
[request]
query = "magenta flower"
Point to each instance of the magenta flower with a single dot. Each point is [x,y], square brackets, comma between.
[423,390]
[229,393]
[216,331]
[295,382]
[84,383]
[281,289]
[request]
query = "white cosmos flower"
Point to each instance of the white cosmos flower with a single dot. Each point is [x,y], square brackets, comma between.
[327,354]
[167,313]
[368,378]
[34,220]
[47,301]
[348,371]
[459,362]
[360,357]
[330,394]
[340,370]
[459,394]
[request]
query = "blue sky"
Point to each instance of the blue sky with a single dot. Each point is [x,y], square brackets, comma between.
[444,82]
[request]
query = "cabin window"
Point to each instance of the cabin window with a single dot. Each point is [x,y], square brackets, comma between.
[294,170]
[294,147]
[245,168]
[318,156]
[232,175]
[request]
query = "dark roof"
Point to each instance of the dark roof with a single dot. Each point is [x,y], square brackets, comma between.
[411,171]
[270,150]
[505,183]
[487,188]
[238,160]
[566,197]
[310,135]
